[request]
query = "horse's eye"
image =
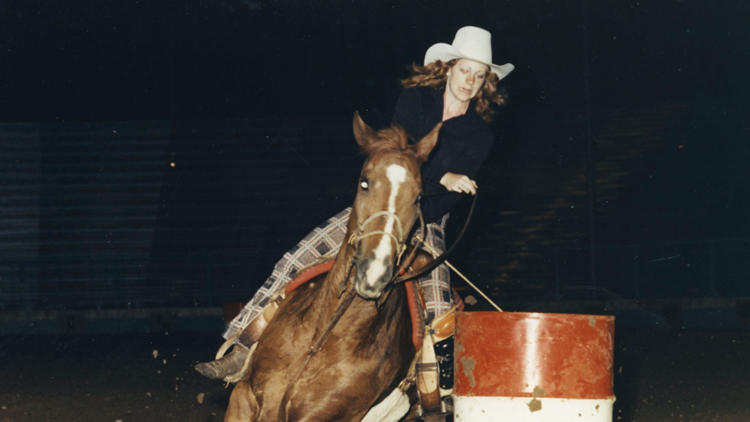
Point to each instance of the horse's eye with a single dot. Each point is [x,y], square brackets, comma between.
[363,184]
[418,200]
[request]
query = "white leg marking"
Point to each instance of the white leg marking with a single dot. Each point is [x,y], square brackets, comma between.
[397,175]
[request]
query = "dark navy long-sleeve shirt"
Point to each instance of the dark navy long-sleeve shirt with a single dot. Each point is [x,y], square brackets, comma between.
[463,145]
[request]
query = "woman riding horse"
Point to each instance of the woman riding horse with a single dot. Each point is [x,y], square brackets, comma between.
[456,86]
[342,343]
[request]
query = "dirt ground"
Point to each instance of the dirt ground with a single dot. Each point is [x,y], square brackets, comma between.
[660,375]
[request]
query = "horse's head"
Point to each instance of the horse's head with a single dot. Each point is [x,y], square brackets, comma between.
[387,202]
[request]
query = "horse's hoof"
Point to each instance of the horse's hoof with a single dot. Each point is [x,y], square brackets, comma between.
[228,365]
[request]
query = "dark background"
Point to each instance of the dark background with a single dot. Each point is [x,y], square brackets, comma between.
[111,61]
[252,100]
[163,154]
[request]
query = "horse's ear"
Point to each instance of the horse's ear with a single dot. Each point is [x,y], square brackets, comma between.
[362,133]
[425,146]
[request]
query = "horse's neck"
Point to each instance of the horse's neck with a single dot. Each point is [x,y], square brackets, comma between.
[340,272]
[361,312]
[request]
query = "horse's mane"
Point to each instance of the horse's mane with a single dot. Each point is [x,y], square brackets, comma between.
[392,139]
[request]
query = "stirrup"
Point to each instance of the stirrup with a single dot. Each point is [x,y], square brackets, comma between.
[249,335]
[227,365]
[236,377]
[231,377]
[251,332]
[231,341]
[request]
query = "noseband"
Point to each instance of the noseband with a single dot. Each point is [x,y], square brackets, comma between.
[360,234]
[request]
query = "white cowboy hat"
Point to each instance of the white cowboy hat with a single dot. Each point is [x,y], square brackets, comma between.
[470,43]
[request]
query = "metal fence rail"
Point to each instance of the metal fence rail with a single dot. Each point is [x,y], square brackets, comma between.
[701,269]
[126,282]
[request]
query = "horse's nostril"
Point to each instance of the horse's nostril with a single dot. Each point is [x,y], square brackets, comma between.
[365,291]
[372,276]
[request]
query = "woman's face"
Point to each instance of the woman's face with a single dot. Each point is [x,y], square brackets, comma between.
[466,78]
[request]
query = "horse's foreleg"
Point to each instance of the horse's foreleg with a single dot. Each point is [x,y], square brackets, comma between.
[243,407]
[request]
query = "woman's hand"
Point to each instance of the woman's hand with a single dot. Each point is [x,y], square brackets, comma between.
[458,183]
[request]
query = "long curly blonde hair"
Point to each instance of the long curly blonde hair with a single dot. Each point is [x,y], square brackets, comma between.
[435,75]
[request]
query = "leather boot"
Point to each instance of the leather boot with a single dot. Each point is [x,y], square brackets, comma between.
[443,328]
[435,382]
[225,366]
[428,377]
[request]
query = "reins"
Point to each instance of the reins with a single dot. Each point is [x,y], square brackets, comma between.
[343,306]
[440,259]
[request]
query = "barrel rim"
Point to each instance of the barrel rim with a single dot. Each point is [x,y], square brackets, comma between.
[540,315]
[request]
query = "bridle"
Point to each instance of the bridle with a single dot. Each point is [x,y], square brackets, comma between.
[400,241]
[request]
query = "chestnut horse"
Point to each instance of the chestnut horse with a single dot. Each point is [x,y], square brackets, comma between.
[359,360]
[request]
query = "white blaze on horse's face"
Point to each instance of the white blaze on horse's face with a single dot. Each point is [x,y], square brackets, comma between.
[396,175]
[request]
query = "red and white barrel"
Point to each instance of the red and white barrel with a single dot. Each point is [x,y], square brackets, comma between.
[519,367]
